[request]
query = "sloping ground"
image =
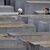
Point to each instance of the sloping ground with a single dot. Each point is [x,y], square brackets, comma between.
[36,40]
[42,43]
[40,40]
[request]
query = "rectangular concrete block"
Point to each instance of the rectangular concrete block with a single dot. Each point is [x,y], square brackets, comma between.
[1,2]
[23,48]
[6,9]
[30,8]
[12,2]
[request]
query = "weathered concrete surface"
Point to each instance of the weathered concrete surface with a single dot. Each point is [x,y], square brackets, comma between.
[9,43]
[27,9]
[1,2]
[41,22]
[40,40]
[6,9]
[23,48]
[31,7]
[35,36]
[11,24]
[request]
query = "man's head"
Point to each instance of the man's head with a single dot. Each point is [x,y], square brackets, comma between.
[20,10]
[46,10]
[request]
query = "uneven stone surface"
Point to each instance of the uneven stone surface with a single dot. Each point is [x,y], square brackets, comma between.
[6,9]
[1,2]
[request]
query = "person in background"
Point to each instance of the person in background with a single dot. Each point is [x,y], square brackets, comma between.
[46,10]
[20,11]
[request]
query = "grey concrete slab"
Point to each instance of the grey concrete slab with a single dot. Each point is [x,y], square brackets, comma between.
[12,2]
[6,9]
[43,27]
[23,48]
[17,30]
[1,2]
[30,8]
[22,4]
